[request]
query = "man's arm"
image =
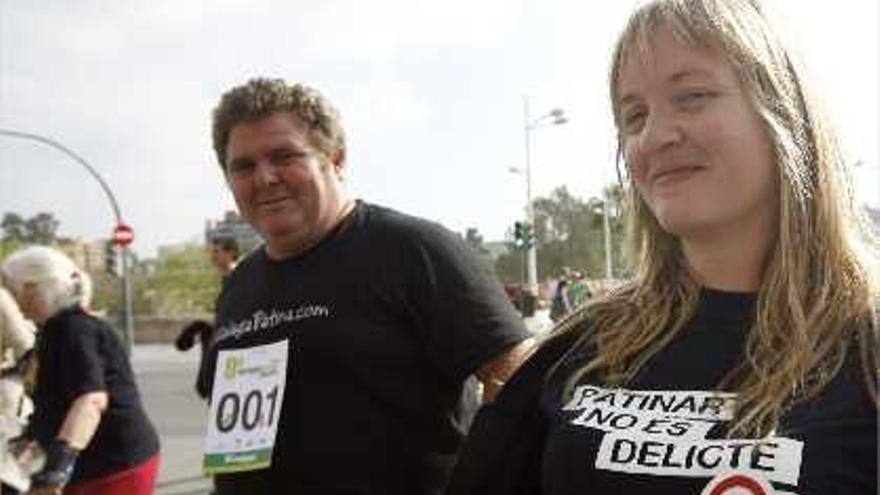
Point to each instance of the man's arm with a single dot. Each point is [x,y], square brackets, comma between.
[495,373]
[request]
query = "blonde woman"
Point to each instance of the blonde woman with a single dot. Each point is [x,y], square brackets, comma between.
[88,417]
[742,356]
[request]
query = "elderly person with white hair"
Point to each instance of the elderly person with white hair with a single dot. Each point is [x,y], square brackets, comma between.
[87,416]
[16,339]
[16,333]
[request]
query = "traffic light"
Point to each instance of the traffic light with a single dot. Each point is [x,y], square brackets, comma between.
[518,239]
[523,236]
[528,235]
[110,258]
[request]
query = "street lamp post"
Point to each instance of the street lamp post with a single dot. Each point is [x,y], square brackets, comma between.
[606,225]
[555,116]
[128,323]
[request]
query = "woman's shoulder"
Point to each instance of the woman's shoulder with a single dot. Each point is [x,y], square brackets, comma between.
[77,324]
[847,397]
[529,378]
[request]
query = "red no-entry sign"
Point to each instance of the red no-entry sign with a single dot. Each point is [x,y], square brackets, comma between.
[123,235]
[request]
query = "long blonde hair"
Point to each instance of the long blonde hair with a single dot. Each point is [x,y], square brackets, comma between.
[818,288]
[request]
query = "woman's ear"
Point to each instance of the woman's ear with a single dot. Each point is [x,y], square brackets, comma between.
[76,278]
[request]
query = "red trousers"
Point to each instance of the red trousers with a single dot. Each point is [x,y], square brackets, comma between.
[137,480]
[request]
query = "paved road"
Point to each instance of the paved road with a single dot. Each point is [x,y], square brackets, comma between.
[166,378]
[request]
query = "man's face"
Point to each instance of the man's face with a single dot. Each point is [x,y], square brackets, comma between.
[221,258]
[286,188]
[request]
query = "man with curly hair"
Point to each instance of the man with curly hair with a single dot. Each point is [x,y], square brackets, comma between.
[344,344]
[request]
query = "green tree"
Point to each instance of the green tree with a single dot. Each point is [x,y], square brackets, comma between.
[14,227]
[107,289]
[569,233]
[106,292]
[474,239]
[9,246]
[41,228]
[181,282]
[510,266]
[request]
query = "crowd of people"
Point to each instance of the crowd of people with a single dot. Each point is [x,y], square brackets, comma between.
[362,350]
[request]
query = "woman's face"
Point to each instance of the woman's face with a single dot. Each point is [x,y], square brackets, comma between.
[697,151]
[32,306]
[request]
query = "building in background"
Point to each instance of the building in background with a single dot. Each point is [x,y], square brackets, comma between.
[90,255]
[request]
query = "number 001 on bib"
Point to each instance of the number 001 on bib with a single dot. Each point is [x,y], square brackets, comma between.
[245,406]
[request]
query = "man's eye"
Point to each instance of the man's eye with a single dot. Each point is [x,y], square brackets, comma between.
[286,156]
[240,167]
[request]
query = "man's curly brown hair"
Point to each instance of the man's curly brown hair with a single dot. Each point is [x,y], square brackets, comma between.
[262,97]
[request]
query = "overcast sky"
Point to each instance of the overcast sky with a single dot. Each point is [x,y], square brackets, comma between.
[431,93]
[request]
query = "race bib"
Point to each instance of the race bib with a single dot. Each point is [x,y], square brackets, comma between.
[245,406]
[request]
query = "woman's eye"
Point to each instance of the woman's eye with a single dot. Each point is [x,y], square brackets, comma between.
[693,98]
[633,121]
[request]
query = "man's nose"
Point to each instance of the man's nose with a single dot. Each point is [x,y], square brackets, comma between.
[265,173]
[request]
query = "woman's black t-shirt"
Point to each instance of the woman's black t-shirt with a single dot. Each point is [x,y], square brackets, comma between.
[78,353]
[665,432]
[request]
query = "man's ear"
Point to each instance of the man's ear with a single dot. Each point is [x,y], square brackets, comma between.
[337,159]
[226,178]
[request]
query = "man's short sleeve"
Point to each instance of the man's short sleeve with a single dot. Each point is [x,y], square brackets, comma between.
[463,314]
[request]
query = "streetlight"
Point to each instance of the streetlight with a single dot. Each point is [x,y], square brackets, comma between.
[606,226]
[555,116]
[119,232]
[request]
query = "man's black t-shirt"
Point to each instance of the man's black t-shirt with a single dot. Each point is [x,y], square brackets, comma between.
[78,353]
[665,432]
[385,319]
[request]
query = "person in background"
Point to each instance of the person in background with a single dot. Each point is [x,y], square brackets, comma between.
[224,256]
[742,357]
[365,323]
[537,321]
[88,417]
[16,340]
[578,291]
[559,305]
[16,332]
[514,293]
